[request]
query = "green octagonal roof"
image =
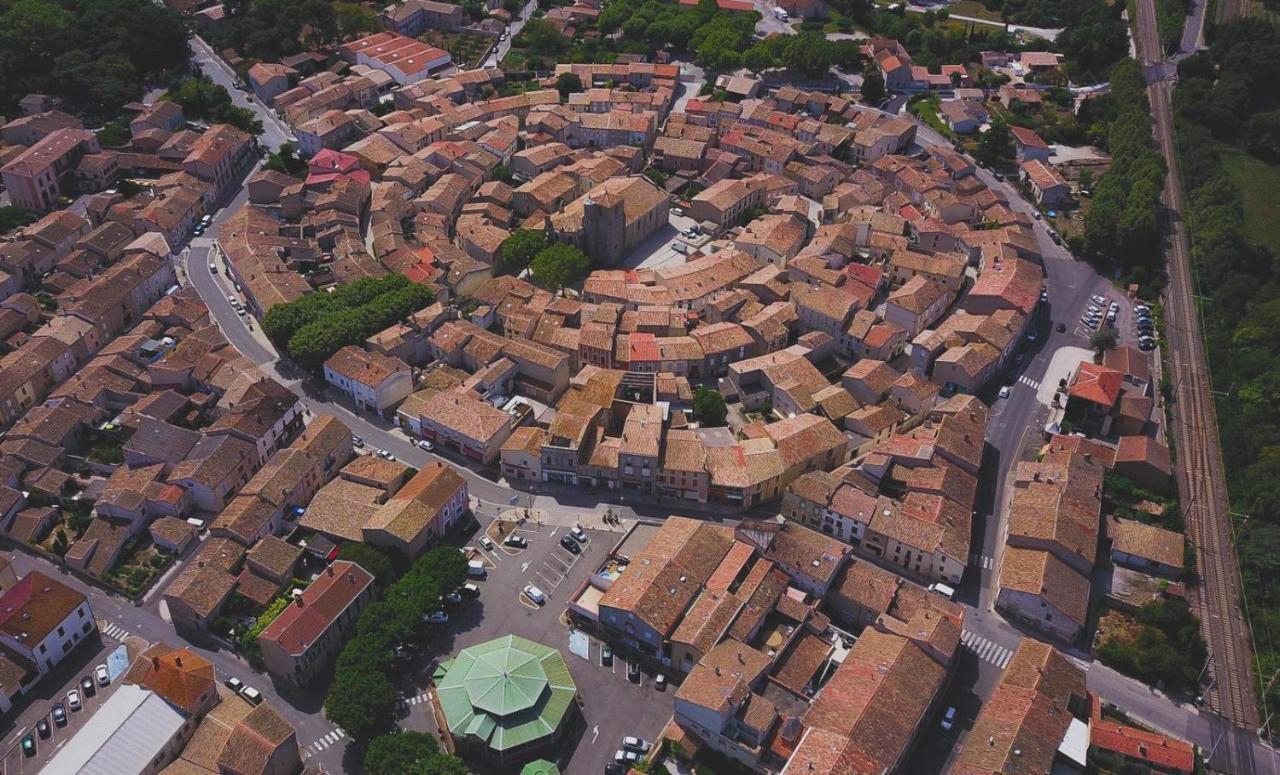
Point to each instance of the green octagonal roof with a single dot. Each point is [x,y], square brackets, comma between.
[505,681]
[506,692]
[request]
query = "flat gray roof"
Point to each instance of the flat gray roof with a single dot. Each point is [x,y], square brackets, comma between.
[124,735]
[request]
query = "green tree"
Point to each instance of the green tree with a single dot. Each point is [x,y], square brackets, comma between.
[542,37]
[503,174]
[709,407]
[286,161]
[114,134]
[559,265]
[519,250]
[14,217]
[568,83]
[361,701]
[996,146]
[1103,339]
[873,91]
[409,753]
[371,559]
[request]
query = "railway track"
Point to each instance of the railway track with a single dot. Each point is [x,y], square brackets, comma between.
[1201,474]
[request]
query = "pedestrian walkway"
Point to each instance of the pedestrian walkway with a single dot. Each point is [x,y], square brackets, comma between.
[1029,382]
[987,651]
[323,743]
[113,631]
[980,560]
[409,702]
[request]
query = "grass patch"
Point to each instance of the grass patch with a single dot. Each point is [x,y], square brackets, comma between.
[973,8]
[1259,184]
[467,48]
[927,111]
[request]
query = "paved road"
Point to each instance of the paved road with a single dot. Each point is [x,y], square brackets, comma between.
[275,132]
[513,29]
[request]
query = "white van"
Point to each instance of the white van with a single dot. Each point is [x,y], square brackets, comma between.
[476,569]
[942,589]
[486,543]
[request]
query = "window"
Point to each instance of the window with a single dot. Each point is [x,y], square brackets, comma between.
[62,633]
[43,649]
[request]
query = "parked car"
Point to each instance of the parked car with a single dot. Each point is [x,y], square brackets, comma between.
[578,534]
[948,718]
[516,541]
[86,686]
[476,569]
[100,672]
[251,695]
[1032,336]
[385,455]
[424,444]
[470,589]
[453,598]
[606,655]
[486,542]
[633,672]
[438,617]
[43,729]
[660,682]
[28,745]
[1004,391]
[677,211]
[234,684]
[73,700]
[614,768]
[637,744]
[1062,327]
[59,714]
[534,594]
[357,441]
[570,545]
[624,756]
[213,268]
[1098,299]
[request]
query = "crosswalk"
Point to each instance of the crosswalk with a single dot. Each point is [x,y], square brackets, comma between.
[1029,382]
[980,560]
[114,631]
[421,698]
[987,651]
[323,743]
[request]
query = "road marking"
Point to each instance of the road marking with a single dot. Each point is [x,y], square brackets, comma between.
[323,743]
[524,567]
[113,630]
[1029,382]
[986,650]
[595,733]
[981,560]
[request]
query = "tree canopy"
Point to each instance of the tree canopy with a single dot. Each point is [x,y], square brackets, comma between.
[709,407]
[518,250]
[96,54]
[202,99]
[362,697]
[317,325]
[409,753]
[559,265]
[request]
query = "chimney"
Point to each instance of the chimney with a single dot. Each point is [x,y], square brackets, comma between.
[298,600]
[177,660]
[329,570]
[155,663]
[717,672]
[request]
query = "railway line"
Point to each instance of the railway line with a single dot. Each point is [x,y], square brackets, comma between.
[1201,476]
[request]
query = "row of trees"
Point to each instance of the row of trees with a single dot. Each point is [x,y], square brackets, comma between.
[203,100]
[317,325]
[96,54]
[1223,95]
[362,698]
[271,29]
[551,263]
[1122,224]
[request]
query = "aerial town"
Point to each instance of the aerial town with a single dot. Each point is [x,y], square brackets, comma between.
[832,387]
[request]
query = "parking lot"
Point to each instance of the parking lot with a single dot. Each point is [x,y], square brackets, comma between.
[613,707]
[53,689]
[658,251]
[1096,314]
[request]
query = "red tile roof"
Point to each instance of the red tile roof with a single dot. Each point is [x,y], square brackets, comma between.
[298,626]
[1097,383]
[1156,750]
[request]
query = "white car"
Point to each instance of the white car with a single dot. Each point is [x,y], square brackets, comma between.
[637,744]
[1004,391]
[1098,299]
[100,672]
[948,718]
[213,268]
[73,699]
[578,534]
[534,594]
[385,455]
[677,211]
[424,444]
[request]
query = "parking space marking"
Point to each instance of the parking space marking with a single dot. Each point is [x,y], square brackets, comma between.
[547,581]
